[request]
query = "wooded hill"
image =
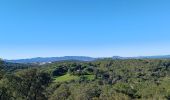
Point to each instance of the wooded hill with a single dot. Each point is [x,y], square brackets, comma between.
[106,79]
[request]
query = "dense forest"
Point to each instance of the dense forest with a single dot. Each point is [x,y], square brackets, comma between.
[105,79]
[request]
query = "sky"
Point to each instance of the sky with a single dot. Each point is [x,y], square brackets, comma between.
[96,28]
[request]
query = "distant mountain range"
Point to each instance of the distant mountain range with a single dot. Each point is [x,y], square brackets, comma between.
[79,58]
[51,59]
[143,57]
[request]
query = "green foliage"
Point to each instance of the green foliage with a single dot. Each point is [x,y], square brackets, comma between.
[98,80]
[108,93]
[27,84]
[62,93]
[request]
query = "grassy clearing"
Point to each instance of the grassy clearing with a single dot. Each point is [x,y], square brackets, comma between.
[90,77]
[66,78]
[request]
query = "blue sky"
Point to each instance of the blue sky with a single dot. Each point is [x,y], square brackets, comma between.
[97,28]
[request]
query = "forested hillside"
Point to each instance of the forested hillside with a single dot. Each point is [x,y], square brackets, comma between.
[106,79]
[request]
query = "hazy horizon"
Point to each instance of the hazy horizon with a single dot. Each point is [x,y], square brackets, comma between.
[82,56]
